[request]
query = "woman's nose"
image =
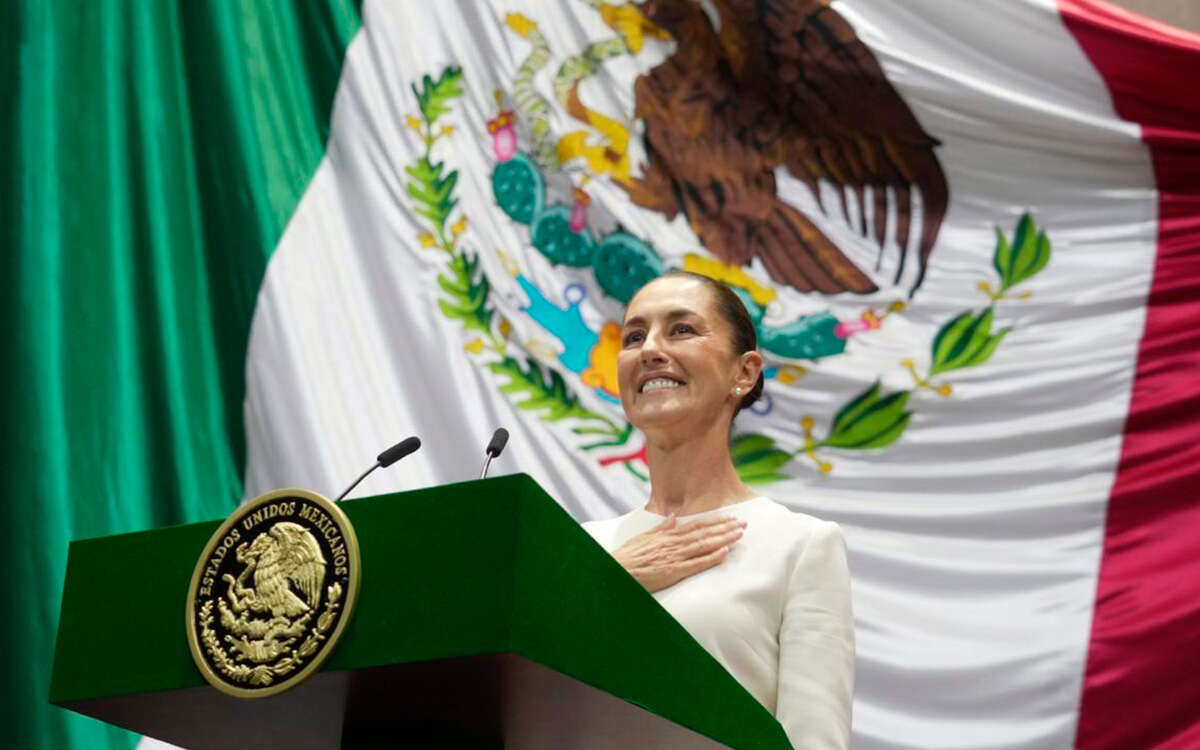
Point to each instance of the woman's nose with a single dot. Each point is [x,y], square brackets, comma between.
[652,348]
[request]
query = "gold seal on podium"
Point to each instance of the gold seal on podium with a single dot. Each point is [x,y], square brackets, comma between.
[272,592]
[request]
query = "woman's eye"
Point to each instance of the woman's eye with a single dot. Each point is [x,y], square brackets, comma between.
[632,337]
[682,328]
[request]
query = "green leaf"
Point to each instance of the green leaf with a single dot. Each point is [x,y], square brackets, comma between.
[434,96]
[757,459]
[888,436]
[467,291]
[1002,259]
[432,192]
[435,191]
[1023,238]
[427,193]
[560,396]
[763,478]
[591,430]
[767,455]
[616,435]
[765,467]
[552,397]
[445,187]
[972,338]
[978,349]
[1034,261]
[948,338]
[873,423]
[1029,253]
[424,170]
[420,191]
[1024,247]
[435,214]
[453,287]
[741,445]
[469,318]
[985,352]
[857,406]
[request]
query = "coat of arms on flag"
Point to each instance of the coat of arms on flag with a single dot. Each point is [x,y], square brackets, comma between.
[718,116]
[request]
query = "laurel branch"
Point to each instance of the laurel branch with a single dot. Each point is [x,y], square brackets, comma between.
[262,675]
[466,290]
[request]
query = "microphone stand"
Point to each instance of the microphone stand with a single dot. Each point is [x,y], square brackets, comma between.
[356,481]
[486,462]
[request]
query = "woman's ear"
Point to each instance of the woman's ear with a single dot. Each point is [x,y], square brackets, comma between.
[750,366]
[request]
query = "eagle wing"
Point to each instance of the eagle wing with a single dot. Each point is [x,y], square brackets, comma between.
[840,118]
[300,560]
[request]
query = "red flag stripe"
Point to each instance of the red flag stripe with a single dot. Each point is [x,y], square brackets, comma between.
[1141,687]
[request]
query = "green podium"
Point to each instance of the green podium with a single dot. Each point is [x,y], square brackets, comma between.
[486,618]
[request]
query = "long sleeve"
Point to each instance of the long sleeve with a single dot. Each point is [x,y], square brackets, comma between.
[816,646]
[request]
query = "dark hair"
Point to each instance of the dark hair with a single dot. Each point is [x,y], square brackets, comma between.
[731,308]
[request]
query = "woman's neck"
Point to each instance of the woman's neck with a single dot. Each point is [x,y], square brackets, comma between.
[693,475]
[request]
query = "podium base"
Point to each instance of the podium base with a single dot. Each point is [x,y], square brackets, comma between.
[490,702]
[424,734]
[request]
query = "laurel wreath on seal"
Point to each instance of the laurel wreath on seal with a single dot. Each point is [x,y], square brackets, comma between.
[265,674]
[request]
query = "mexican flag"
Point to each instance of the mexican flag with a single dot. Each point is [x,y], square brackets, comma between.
[253,246]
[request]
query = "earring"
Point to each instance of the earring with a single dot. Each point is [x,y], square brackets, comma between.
[738,391]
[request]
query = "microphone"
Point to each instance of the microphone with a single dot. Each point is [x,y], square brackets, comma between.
[398,451]
[499,440]
[387,458]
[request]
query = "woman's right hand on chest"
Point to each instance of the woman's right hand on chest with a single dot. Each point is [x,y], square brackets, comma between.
[669,552]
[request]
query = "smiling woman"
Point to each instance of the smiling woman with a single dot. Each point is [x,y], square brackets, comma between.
[688,364]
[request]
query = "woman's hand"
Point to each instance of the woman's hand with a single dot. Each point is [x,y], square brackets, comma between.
[668,553]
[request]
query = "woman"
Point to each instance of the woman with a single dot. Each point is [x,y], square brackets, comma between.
[764,589]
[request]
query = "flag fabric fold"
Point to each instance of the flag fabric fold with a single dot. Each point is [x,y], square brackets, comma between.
[152,155]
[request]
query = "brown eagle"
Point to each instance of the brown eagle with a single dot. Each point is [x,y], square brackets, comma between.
[780,82]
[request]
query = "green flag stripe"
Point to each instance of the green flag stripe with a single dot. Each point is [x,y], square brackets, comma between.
[152,154]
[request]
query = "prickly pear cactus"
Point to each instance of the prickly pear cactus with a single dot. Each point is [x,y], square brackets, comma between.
[807,337]
[519,188]
[554,238]
[623,264]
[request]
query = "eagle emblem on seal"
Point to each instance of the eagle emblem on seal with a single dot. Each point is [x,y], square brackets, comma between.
[271,593]
[286,556]
[287,568]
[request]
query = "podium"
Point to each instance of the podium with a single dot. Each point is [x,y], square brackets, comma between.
[486,618]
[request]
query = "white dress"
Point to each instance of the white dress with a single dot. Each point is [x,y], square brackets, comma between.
[776,614]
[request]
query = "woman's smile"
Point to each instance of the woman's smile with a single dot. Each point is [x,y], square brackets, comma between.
[659,384]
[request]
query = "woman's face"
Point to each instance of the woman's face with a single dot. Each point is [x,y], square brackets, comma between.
[676,366]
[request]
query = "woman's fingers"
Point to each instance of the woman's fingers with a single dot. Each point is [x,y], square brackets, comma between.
[721,536]
[701,533]
[704,562]
[703,523]
[693,530]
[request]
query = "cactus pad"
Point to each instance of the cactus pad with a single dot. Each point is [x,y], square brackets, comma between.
[623,264]
[519,188]
[806,337]
[552,236]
